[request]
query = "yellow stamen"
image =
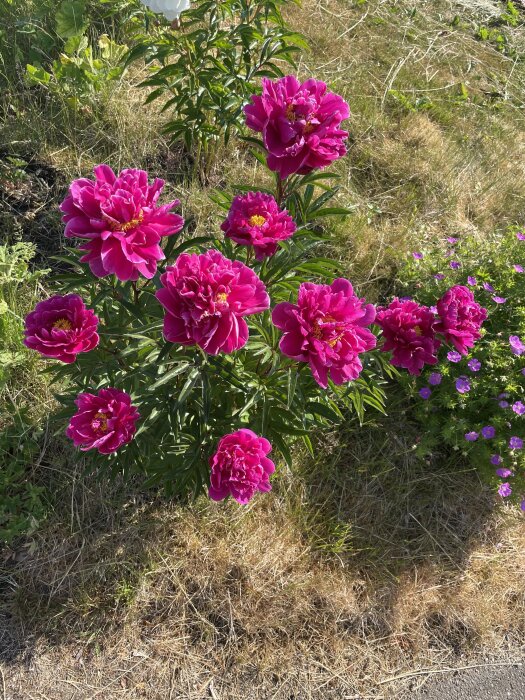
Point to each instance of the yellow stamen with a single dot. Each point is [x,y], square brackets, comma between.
[257,220]
[308,128]
[102,420]
[418,330]
[317,331]
[127,225]
[290,113]
[221,298]
[62,324]
[335,340]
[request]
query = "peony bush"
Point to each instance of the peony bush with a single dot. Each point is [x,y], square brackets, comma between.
[473,397]
[190,357]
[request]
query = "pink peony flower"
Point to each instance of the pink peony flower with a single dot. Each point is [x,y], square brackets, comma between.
[240,467]
[327,329]
[206,297]
[408,329]
[121,221]
[61,327]
[103,422]
[299,123]
[460,318]
[255,220]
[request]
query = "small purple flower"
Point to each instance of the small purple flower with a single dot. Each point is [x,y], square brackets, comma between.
[503,404]
[516,345]
[515,443]
[488,287]
[505,489]
[452,240]
[417,256]
[522,505]
[520,236]
[503,472]
[495,459]
[439,276]
[463,385]
[488,432]
[434,309]
[499,300]
[425,393]
[472,436]
[519,268]
[454,356]
[472,281]
[474,365]
[455,265]
[504,395]
[435,378]
[518,408]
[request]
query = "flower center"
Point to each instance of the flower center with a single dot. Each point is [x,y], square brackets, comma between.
[335,340]
[100,423]
[418,330]
[308,128]
[221,298]
[127,225]
[290,113]
[62,324]
[257,220]
[317,331]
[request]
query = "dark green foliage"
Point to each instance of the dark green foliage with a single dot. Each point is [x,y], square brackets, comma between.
[213,63]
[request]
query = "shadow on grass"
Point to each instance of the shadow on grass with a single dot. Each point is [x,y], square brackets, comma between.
[374,502]
[328,564]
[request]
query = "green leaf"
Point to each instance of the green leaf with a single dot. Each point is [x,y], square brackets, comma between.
[71,19]
[169,376]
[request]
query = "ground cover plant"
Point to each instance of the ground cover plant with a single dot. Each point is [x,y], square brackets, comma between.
[380,543]
[475,402]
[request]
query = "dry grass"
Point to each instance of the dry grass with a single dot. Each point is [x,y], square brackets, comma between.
[366,563]
[351,574]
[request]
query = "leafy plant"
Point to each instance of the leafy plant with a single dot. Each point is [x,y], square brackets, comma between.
[494,270]
[59,45]
[79,74]
[16,280]
[210,67]
[21,500]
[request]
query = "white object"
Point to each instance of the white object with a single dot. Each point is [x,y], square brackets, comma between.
[171,9]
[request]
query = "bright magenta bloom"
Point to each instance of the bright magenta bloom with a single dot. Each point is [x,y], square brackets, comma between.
[240,467]
[327,329]
[460,318]
[255,220]
[103,422]
[408,330]
[121,221]
[299,123]
[206,297]
[61,327]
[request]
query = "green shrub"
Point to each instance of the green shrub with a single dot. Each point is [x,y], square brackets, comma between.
[73,47]
[494,263]
[209,68]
